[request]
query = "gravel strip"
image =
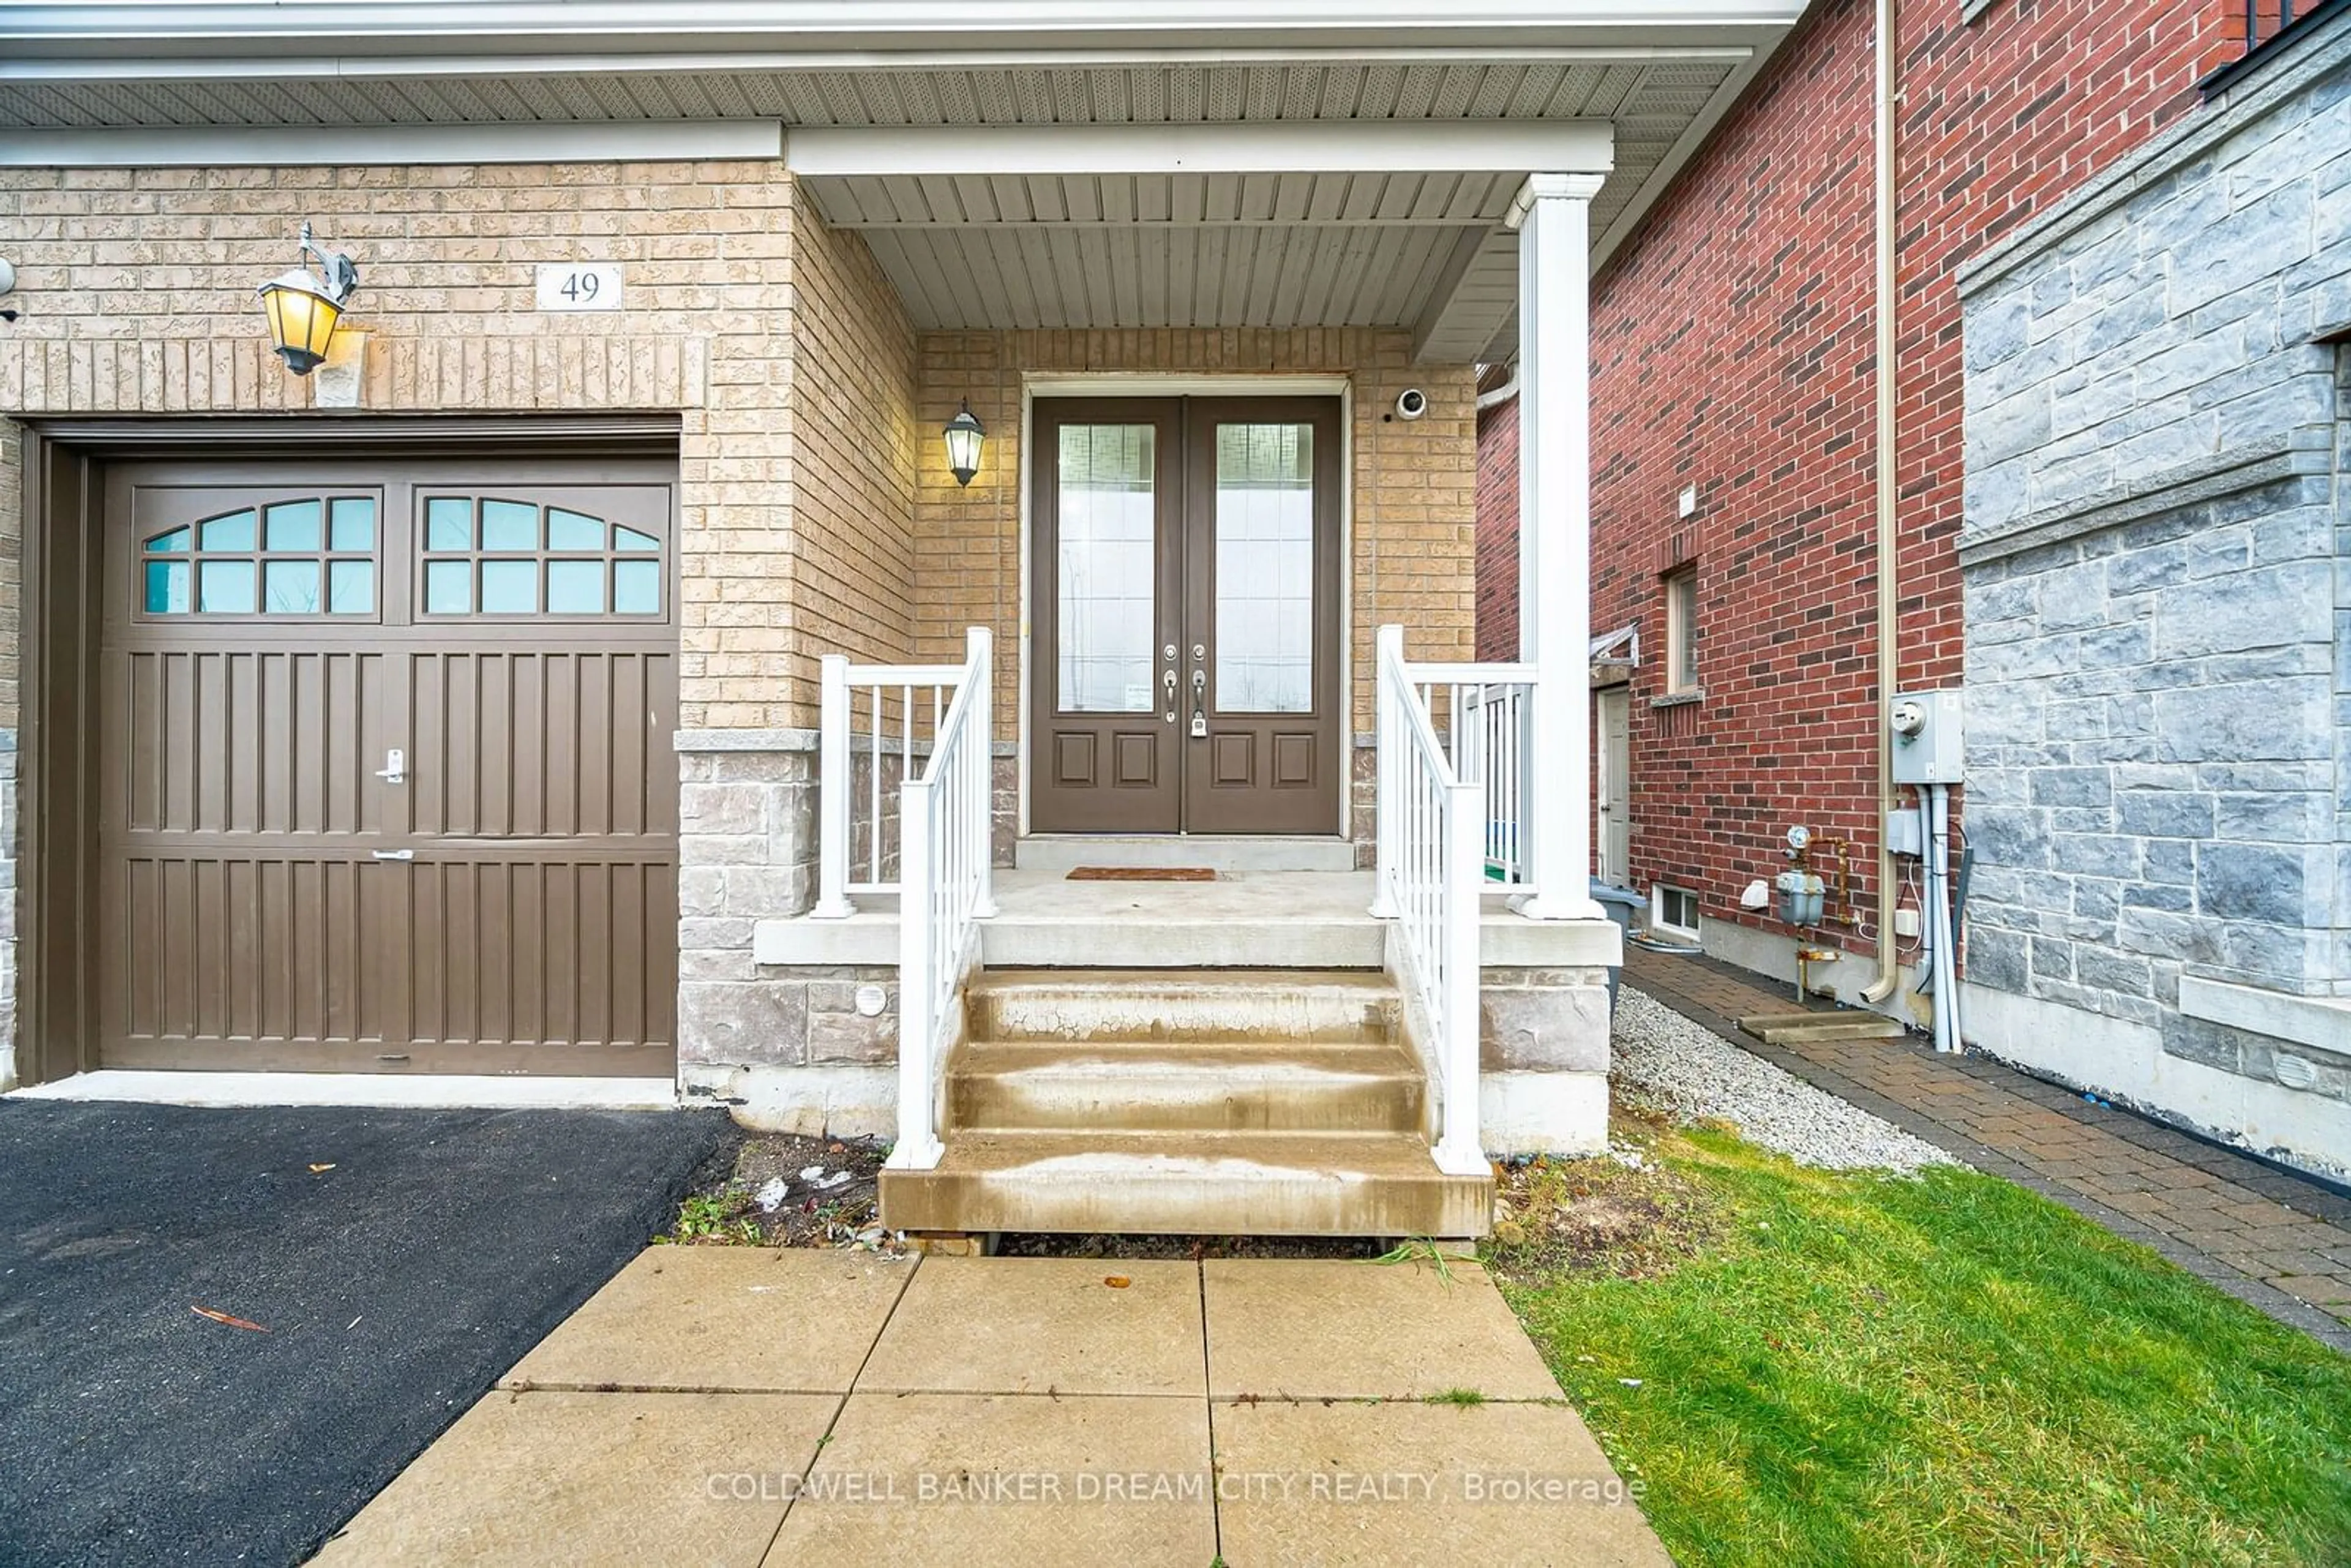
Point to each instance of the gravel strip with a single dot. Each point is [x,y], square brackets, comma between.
[1665,1061]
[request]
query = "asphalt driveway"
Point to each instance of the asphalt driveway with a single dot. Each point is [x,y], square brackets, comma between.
[395,1286]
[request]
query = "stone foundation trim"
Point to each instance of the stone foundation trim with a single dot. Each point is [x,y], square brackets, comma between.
[2297,453]
[2322,1022]
[840,1100]
[2125,1062]
[1542,1114]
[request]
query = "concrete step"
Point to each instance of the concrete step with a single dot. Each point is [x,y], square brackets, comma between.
[1797,1028]
[1202,1184]
[1237,1006]
[1023,939]
[1204,1086]
[1237,851]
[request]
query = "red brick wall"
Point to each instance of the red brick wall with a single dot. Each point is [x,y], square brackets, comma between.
[1498,533]
[1733,350]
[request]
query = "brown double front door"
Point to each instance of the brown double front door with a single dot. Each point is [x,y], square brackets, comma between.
[386,776]
[1185,598]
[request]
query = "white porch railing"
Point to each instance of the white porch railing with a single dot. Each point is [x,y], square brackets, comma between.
[877,720]
[945,889]
[1490,711]
[1429,880]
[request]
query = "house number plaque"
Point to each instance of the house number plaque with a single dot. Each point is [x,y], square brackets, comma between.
[579,286]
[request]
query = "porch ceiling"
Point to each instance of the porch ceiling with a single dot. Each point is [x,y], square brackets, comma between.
[1188,250]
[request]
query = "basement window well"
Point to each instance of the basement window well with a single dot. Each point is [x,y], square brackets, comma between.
[1673,910]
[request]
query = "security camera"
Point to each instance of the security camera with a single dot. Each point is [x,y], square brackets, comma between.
[7,282]
[1410,404]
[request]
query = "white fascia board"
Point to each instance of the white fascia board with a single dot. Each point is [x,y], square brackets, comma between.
[1295,147]
[1684,148]
[626,25]
[355,65]
[279,146]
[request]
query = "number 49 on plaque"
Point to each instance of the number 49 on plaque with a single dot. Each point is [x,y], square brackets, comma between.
[579,286]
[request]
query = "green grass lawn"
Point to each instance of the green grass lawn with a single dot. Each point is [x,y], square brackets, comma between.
[1949,1369]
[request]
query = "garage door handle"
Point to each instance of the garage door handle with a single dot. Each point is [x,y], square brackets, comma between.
[396,854]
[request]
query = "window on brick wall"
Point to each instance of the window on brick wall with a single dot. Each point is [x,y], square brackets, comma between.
[1681,631]
[1673,910]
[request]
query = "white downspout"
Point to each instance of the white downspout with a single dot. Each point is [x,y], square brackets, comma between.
[1501,394]
[1889,967]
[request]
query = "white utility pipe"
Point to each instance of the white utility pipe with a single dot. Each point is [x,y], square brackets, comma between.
[1938,907]
[1889,964]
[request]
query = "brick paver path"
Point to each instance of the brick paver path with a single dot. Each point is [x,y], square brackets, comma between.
[2265,1236]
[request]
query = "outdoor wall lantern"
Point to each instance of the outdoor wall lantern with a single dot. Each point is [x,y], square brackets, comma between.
[966,436]
[304,306]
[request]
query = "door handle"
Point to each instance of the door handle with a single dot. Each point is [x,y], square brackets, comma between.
[1168,676]
[395,766]
[396,854]
[1200,705]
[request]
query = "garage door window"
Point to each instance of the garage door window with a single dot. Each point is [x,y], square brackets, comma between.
[301,556]
[494,556]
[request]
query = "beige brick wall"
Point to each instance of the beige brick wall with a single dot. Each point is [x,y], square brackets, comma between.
[852,495]
[135,287]
[1414,484]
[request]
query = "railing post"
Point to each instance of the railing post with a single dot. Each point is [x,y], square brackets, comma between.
[917,1147]
[1458,1150]
[1388,719]
[980,642]
[832,791]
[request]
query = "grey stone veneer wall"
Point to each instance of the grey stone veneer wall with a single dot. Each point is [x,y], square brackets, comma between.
[747,852]
[2157,610]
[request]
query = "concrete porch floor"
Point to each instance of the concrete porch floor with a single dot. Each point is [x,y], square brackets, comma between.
[1246,919]
[738,1405]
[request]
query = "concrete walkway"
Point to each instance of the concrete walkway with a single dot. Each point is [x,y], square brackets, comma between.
[2271,1238]
[737,1405]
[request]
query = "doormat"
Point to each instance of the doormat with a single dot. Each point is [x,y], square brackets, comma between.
[1143,874]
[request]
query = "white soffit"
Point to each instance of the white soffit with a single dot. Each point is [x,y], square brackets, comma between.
[1284,226]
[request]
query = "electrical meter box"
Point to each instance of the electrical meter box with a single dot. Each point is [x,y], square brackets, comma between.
[1926,737]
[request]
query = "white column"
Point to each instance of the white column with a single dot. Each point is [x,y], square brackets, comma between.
[1555,533]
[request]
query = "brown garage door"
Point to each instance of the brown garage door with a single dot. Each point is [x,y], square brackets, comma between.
[386,774]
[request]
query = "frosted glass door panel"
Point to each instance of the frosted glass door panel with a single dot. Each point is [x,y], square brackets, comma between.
[1265,568]
[1109,553]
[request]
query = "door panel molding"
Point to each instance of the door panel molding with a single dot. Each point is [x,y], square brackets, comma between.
[508,905]
[1195,767]
[1099,771]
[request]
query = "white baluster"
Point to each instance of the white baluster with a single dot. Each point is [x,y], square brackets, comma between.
[832,791]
